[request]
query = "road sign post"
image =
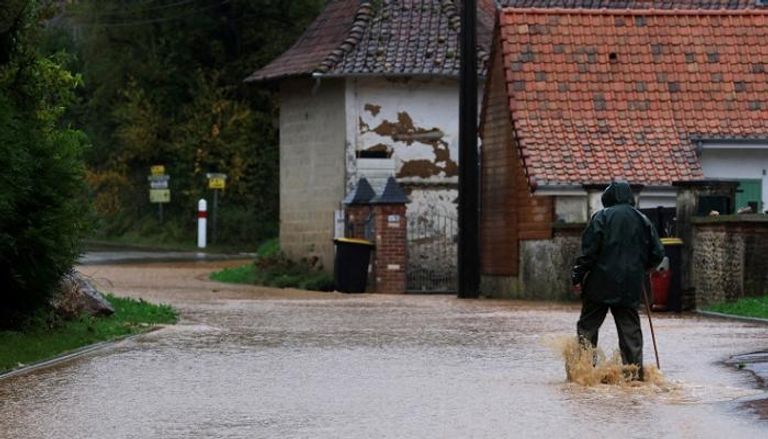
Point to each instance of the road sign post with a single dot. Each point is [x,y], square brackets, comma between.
[158,188]
[216,182]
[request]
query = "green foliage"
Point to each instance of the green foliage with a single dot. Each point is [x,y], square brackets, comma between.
[164,85]
[746,307]
[41,339]
[268,248]
[42,218]
[244,274]
[273,269]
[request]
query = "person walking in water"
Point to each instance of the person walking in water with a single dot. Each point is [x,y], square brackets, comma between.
[618,247]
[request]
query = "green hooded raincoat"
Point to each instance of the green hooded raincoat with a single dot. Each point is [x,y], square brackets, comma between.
[619,245]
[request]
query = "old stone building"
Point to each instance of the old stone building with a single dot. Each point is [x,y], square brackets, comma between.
[371,89]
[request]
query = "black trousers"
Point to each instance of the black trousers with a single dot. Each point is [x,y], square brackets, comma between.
[627,325]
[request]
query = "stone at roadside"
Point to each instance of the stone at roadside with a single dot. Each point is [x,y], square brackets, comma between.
[77,296]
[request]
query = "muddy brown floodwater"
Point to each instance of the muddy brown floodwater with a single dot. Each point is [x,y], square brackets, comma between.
[249,362]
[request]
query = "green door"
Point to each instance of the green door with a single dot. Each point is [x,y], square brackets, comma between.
[749,191]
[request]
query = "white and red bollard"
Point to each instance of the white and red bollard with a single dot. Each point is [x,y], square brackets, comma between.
[202,222]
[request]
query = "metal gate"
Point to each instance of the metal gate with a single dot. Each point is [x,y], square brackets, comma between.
[432,252]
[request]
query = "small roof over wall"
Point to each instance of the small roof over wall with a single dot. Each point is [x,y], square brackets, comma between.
[385,38]
[602,94]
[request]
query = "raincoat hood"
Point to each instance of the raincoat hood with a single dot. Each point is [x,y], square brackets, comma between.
[617,193]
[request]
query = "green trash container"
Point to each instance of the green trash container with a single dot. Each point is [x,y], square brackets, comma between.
[351,264]
[673,248]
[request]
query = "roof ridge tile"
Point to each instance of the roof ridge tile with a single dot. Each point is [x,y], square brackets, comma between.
[357,29]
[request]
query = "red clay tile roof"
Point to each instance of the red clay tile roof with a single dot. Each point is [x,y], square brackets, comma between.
[383,37]
[633,4]
[598,94]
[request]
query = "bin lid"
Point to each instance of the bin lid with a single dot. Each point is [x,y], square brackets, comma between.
[671,241]
[353,241]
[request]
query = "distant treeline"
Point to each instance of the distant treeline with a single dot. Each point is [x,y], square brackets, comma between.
[162,83]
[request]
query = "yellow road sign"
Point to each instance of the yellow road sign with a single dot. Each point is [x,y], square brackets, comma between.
[217,183]
[157,170]
[159,195]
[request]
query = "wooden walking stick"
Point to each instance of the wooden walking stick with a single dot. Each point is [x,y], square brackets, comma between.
[650,322]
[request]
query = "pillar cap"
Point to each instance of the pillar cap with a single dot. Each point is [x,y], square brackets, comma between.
[392,194]
[362,193]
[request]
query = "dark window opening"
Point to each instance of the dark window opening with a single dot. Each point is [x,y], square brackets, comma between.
[373,154]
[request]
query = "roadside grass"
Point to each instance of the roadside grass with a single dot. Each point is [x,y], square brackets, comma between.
[244,274]
[746,307]
[272,268]
[43,340]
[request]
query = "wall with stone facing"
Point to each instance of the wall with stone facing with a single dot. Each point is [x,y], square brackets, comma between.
[546,265]
[545,268]
[730,259]
[312,148]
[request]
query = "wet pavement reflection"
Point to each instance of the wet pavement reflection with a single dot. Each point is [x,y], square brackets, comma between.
[250,362]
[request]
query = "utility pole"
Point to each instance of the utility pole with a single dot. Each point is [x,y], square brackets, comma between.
[469,239]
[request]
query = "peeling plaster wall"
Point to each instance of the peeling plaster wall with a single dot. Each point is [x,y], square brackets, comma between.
[312,148]
[413,125]
[413,121]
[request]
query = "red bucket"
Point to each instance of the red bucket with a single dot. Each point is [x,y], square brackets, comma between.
[660,281]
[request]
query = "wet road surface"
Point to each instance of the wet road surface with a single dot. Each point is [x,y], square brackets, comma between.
[250,362]
[122,255]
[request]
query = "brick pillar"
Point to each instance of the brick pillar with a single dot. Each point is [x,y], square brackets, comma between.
[390,260]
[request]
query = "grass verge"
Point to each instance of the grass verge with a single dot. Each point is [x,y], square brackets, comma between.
[42,340]
[272,268]
[746,307]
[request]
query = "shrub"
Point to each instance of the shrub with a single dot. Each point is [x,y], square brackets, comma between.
[41,186]
[274,269]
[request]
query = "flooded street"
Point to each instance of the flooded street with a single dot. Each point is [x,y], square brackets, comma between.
[250,362]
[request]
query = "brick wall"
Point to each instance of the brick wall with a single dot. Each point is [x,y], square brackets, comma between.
[729,259]
[312,148]
[509,213]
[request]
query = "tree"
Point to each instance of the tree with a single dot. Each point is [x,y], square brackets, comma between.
[41,184]
[164,85]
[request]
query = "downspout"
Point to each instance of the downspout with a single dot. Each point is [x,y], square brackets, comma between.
[317,76]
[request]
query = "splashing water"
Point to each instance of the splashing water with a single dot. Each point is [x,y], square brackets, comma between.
[590,366]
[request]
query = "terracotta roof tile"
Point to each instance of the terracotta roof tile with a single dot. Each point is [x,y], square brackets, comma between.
[631,102]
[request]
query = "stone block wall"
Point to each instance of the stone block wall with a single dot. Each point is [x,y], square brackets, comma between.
[546,264]
[545,268]
[312,148]
[730,259]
